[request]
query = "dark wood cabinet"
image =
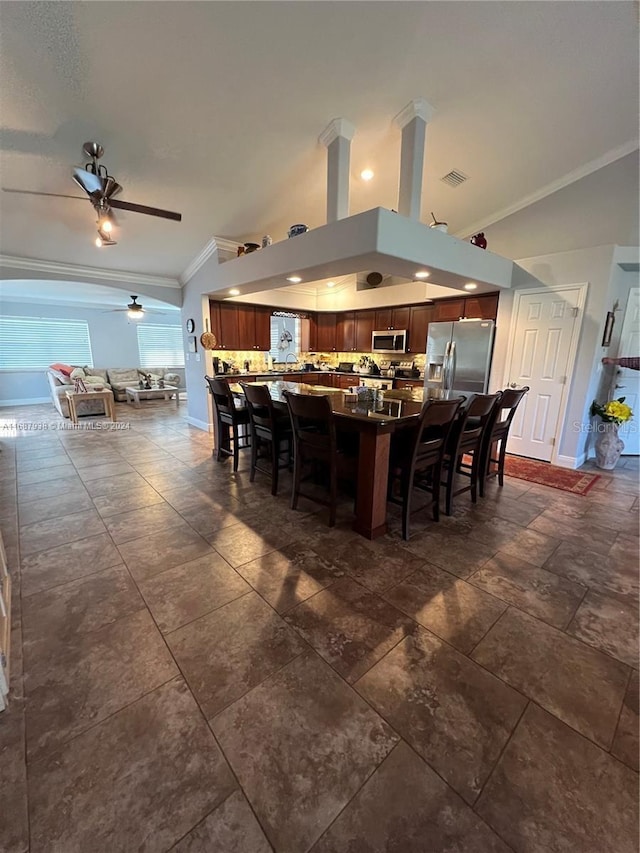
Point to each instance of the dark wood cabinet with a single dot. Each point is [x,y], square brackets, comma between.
[403,384]
[254,328]
[481,307]
[383,319]
[312,343]
[345,381]
[346,334]
[400,318]
[327,332]
[421,316]
[392,318]
[449,309]
[229,330]
[214,322]
[365,327]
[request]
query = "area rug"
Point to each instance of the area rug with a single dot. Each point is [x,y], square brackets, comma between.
[533,471]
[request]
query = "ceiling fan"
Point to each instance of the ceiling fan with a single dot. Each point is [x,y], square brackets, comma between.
[135,311]
[101,189]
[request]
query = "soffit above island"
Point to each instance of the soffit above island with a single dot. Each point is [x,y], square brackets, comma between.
[377,239]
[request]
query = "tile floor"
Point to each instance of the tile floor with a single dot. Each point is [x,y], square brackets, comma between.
[196,668]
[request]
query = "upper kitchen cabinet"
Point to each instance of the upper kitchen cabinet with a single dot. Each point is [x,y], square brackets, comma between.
[400,318]
[214,322]
[229,328]
[254,328]
[421,316]
[326,338]
[365,327]
[346,332]
[481,307]
[448,309]
[392,318]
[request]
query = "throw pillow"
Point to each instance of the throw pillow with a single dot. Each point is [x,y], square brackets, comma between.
[78,373]
[62,378]
[67,369]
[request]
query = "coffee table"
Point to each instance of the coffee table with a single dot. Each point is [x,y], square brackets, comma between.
[134,395]
[77,397]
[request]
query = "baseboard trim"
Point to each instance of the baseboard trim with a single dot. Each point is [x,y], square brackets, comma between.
[572,462]
[203,425]
[31,401]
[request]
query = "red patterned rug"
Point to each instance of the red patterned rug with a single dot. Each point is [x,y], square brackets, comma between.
[577,482]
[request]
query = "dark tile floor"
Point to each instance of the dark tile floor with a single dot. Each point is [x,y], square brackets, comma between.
[197,668]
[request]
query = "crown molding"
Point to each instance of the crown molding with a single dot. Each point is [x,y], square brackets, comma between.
[570,178]
[201,258]
[77,271]
[417,108]
[337,127]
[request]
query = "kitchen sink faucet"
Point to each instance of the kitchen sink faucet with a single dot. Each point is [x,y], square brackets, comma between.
[295,359]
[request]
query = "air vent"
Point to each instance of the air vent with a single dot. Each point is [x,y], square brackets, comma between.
[454,178]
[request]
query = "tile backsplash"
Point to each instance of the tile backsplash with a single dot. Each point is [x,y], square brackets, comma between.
[257,361]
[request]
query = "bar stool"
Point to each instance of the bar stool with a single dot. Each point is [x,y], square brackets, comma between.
[314,440]
[418,464]
[269,430]
[466,440]
[228,418]
[498,434]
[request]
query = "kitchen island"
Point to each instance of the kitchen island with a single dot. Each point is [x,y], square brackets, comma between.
[374,423]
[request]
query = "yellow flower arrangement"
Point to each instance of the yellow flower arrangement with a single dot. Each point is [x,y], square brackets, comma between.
[613,412]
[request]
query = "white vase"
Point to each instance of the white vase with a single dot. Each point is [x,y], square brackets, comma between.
[608,445]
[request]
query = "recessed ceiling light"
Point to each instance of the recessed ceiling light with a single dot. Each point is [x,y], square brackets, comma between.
[294,279]
[471,285]
[366,174]
[422,274]
[234,292]
[331,284]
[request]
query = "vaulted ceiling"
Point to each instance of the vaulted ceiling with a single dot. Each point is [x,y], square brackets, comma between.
[214,109]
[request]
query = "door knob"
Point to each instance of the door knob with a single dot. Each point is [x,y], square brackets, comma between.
[513,385]
[621,386]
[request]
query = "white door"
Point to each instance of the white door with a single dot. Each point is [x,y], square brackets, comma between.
[628,381]
[547,322]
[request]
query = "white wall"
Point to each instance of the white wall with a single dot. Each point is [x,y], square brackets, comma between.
[594,266]
[113,338]
[195,306]
[601,209]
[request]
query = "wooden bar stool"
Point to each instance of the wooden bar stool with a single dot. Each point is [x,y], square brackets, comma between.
[228,418]
[270,429]
[498,435]
[417,464]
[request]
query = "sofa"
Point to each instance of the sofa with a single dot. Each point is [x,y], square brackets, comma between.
[61,378]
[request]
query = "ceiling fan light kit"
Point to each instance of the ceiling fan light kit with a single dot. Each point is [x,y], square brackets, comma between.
[101,188]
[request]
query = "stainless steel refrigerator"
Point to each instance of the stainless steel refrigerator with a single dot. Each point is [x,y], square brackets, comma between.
[459,355]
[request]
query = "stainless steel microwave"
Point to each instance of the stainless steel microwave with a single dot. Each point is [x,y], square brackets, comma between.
[390,340]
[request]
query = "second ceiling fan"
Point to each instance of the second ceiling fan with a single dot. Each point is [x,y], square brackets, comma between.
[101,189]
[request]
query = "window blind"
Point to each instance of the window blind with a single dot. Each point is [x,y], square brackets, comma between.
[33,343]
[160,346]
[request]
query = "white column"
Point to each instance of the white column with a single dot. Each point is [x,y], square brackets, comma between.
[336,137]
[412,121]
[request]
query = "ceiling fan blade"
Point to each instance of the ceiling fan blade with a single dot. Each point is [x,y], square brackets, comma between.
[141,208]
[34,192]
[89,182]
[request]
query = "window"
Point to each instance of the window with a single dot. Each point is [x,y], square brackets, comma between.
[285,337]
[33,343]
[160,346]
